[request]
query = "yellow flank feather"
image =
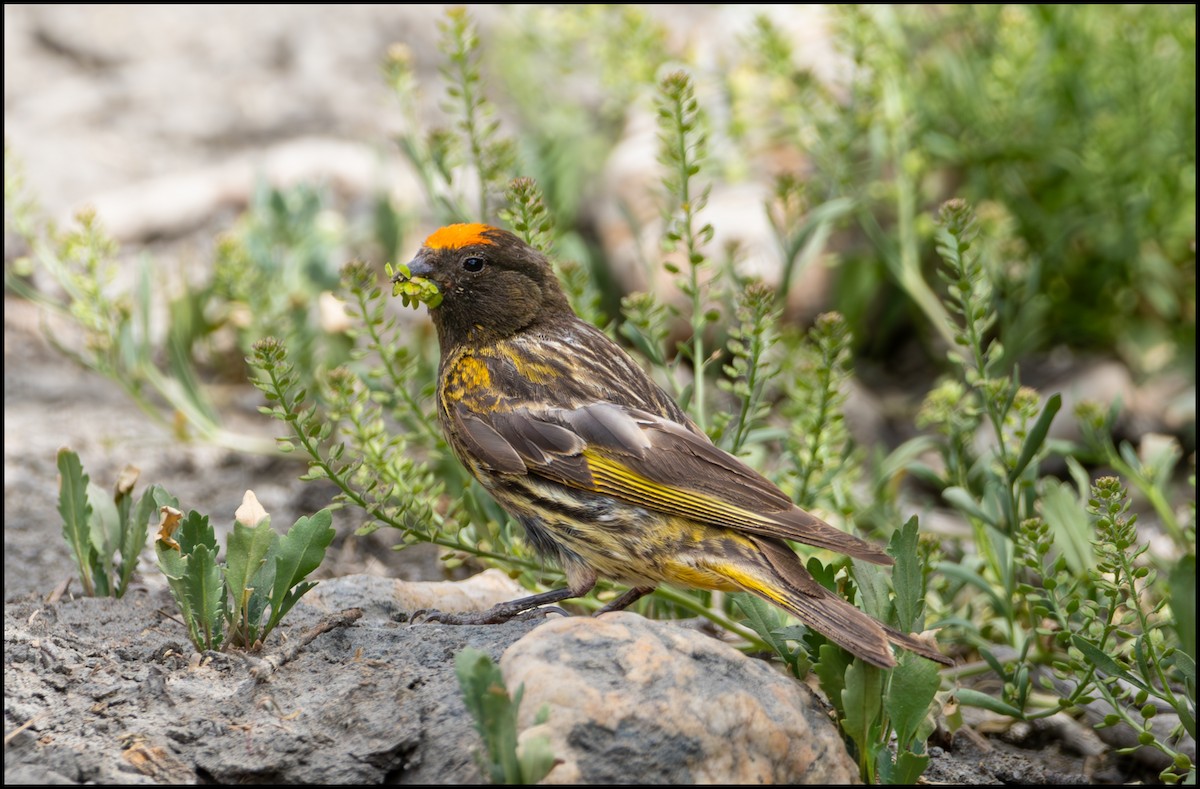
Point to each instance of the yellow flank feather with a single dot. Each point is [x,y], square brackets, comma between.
[690,576]
[743,580]
[459,236]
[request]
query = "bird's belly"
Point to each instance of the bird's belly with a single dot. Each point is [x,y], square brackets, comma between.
[620,541]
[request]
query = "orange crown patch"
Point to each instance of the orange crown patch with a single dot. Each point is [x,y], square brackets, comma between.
[459,236]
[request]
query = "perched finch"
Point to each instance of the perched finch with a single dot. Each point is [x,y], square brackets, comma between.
[603,469]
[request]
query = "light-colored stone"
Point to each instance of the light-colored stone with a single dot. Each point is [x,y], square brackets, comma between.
[636,701]
[477,593]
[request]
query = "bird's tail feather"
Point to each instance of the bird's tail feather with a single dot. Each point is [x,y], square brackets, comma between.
[774,573]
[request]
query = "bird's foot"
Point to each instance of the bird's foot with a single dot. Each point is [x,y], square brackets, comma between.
[531,607]
[497,614]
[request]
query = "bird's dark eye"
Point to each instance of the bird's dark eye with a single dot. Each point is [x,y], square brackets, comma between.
[473,264]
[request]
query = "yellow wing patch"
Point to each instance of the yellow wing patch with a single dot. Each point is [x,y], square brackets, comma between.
[459,236]
[618,480]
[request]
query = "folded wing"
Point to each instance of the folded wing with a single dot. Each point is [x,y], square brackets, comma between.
[648,461]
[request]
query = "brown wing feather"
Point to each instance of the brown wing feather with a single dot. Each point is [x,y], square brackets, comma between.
[486,445]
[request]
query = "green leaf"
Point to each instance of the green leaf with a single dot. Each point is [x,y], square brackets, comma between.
[908,578]
[863,699]
[792,632]
[915,681]
[872,585]
[1181,590]
[123,500]
[76,513]
[1079,475]
[767,622]
[495,714]
[205,590]
[133,540]
[300,552]
[990,658]
[105,534]
[905,770]
[831,672]
[262,582]
[685,396]
[901,459]
[964,502]
[972,578]
[997,498]
[162,498]
[1036,436]
[1104,662]
[1069,524]
[824,574]
[536,757]
[174,566]
[245,554]
[763,618]
[195,530]
[973,698]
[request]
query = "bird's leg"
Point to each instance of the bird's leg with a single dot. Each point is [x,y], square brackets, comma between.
[579,584]
[503,612]
[627,599]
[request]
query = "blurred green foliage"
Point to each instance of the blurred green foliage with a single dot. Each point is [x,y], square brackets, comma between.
[1072,126]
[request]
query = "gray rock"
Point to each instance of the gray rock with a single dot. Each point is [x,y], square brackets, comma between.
[636,701]
[115,695]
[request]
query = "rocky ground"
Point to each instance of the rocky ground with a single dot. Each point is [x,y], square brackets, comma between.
[163,117]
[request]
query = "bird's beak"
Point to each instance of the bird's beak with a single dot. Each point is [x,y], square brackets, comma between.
[412,284]
[417,267]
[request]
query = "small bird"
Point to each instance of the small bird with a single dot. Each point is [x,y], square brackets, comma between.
[603,469]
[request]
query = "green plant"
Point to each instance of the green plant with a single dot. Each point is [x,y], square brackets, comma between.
[1150,476]
[1014,108]
[97,527]
[240,601]
[504,761]
[1059,588]
[1112,635]
[269,271]
[996,489]
[476,142]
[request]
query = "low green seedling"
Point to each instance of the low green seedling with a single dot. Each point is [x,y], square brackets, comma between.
[495,714]
[97,527]
[238,602]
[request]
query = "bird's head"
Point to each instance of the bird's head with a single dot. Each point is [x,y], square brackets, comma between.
[480,283]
